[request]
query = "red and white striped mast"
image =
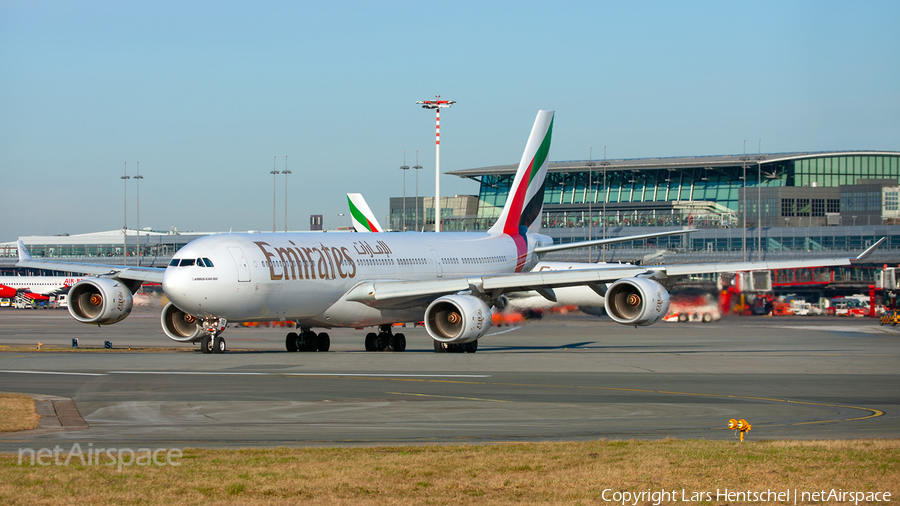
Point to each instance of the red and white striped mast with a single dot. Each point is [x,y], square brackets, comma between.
[437,105]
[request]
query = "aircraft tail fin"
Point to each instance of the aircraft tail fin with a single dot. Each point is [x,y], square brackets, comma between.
[362,217]
[23,251]
[526,196]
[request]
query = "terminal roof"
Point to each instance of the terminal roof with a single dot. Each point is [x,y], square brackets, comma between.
[672,163]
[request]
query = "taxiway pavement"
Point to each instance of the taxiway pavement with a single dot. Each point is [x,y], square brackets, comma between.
[564,378]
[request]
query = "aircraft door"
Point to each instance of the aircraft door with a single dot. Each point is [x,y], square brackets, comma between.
[437,264]
[240,261]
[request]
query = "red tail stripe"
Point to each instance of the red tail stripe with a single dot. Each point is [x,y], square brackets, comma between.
[511,227]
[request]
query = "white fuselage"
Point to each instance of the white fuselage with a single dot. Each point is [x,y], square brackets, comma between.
[43,285]
[304,276]
[566,296]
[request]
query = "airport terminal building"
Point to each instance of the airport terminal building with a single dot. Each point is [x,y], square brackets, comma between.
[792,203]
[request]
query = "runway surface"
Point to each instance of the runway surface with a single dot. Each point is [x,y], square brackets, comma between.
[568,377]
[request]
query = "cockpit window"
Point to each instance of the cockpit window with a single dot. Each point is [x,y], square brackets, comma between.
[174,262]
[186,262]
[208,262]
[200,263]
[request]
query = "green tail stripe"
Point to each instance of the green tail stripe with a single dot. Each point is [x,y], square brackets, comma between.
[541,155]
[358,215]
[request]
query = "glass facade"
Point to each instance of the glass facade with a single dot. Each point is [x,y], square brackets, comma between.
[799,239]
[843,170]
[639,196]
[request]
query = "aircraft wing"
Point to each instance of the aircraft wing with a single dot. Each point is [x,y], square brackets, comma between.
[540,250]
[400,293]
[130,272]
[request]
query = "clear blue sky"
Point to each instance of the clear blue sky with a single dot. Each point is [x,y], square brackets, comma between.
[205,93]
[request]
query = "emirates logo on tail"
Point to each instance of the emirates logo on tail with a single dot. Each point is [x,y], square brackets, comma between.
[526,197]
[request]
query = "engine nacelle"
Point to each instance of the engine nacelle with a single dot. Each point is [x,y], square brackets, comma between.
[636,301]
[457,319]
[180,326]
[100,301]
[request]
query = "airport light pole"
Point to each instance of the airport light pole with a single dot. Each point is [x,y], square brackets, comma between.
[437,105]
[138,177]
[125,179]
[340,220]
[404,168]
[605,198]
[759,159]
[744,204]
[285,172]
[590,165]
[274,174]
[417,168]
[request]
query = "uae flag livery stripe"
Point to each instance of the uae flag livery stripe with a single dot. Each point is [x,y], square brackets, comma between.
[360,218]
[523,208]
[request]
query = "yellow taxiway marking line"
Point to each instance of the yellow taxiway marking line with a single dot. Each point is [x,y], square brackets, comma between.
[447,397]
[875,413]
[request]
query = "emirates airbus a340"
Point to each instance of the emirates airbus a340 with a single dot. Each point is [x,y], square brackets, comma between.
[449,280]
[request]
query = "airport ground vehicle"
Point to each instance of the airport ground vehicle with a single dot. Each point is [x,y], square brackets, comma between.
[890,317]
[694,308]
[801,308]
[842,306]
[61,301]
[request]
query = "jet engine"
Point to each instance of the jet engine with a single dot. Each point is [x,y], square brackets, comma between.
[180,326]
[102,301]
[457,319]
[636,301]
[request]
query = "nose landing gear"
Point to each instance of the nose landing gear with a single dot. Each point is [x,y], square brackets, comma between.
[307,340]
[213,342]
[385,339]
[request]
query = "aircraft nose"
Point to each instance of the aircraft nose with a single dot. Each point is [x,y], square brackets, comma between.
[177,287]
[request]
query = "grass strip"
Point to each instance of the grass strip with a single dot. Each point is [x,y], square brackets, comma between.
[17,413]
[529,473]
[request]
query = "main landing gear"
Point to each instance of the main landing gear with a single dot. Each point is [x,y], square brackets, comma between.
[385,340]
[440,347]
[307,340]
[213,342]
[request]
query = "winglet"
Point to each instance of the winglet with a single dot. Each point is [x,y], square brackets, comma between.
[24,256]
[865,254]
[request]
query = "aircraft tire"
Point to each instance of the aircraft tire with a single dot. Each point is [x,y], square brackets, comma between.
[309,341]
[219,345]
[439,347]
[290,342]
[683,317]
[323,342]
[382,342]
[370,341]
[206,344]
[471,347]
[398,342]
